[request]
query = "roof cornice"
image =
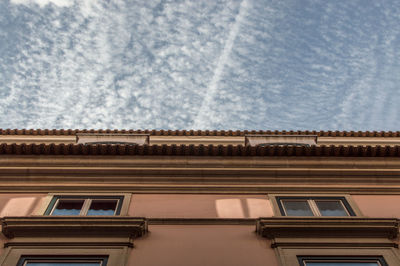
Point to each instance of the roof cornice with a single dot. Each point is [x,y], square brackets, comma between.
[198,150]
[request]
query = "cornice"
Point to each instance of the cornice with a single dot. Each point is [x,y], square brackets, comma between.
[198,150]
[172,174]
[200,161]
[39,187]
[199,174]
[53,226]
[278,227]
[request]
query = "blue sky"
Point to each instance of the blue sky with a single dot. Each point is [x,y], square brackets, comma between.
[246,64]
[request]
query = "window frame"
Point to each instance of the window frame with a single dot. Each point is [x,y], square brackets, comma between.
[347,201]
[43,206]
[115,255]
[378,259]
[288,255]
[311,201]
[86,204]
[25,259]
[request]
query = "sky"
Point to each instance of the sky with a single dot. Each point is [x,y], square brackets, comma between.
[245,64]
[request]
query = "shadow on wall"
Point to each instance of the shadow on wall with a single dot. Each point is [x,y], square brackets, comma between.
[243,208]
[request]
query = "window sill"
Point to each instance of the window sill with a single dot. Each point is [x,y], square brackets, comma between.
[322,227]
[81,226]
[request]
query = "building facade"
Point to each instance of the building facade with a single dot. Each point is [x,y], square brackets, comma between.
[238,198]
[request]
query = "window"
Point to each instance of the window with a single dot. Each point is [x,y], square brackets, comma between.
[69,241]
[314,206]
[61,261]
[342,261]
[327,255]
[331,241]
[85,205]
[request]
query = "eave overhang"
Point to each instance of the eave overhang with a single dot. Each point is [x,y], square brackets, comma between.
[198,150]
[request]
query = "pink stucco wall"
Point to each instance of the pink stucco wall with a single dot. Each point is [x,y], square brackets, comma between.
[19,204]
[379,206]
[199,245]
[199,206]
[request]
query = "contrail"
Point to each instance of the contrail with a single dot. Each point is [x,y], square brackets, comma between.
[203,118]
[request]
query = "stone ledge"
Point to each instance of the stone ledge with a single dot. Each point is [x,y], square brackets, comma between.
[293,227]
[53,226]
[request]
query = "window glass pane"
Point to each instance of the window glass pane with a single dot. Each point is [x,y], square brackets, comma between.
[68,207]
[331,208]
[63,264]
[342,264]
[297,208]
[102,207]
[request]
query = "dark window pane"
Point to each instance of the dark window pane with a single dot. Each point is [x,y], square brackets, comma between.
[342,264]
[63,264]
[102,207]
[331,208]
[68,207]
[297,208]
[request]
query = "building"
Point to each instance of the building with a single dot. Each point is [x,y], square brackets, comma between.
[237,198]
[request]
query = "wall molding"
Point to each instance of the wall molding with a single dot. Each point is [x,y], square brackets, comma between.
[201,221]
[323,189]
[43,244]
[191,174]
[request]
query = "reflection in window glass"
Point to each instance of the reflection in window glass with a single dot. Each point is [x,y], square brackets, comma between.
[331,208]
[297,208]
[102,207]
[68,207]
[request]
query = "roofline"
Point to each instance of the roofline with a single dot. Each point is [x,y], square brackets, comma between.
[69,132]
[198,150]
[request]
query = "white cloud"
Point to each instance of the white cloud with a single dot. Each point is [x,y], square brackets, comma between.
[204,116]
[42,3]
[217,64]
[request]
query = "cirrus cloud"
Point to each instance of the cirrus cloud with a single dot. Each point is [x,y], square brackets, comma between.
[245,64]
